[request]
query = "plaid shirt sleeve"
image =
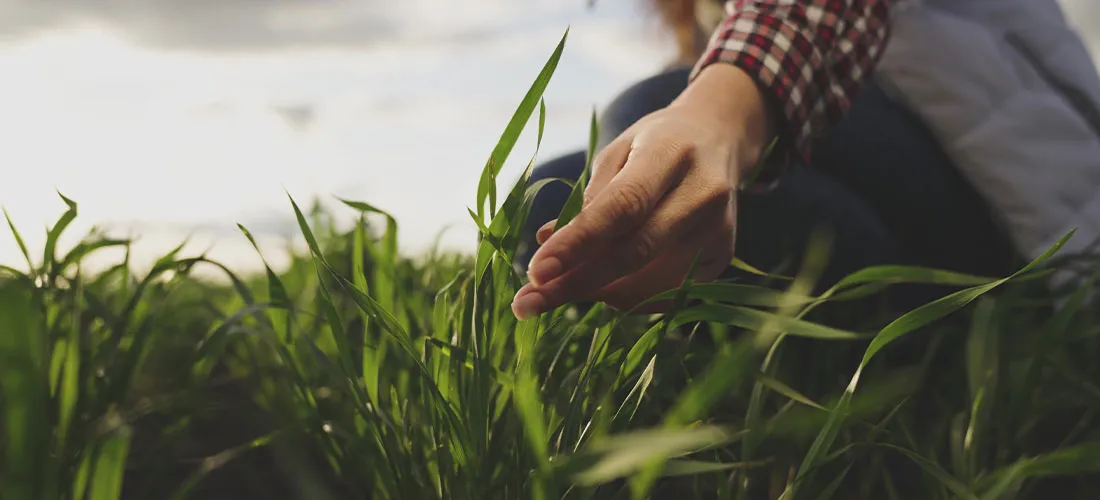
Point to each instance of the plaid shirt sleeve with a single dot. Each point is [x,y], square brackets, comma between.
[810,56]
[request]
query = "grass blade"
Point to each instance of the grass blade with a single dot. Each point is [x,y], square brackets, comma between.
[622,455]
[515,127]
[788,391]
[19,241]
[110,466]
[575,201]
[908,322]
[49,258]
[23,390]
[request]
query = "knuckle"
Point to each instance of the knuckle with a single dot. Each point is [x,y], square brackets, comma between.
[682,147]
[588,195]
[614,152]
[629,203]
[599,166]
[715,193]
[603,159]
[671,145]
[640,252]
[587,199]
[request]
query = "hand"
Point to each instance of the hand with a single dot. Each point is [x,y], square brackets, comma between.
[660,194]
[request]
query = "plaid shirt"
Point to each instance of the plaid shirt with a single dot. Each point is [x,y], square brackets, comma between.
[810,56]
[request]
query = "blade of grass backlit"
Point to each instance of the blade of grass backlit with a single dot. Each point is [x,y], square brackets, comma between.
[622,455]
[49,257]
[645,343]
[529,406]
[110,466]
[23,390]
[874,279]
[508,225]
[1057,331]
[134,331]
[83,249]
[638,391]
[910,275]
[788,391]
[699,396]
[508,245]
[741,265]
[906,323]
[279,298]
[382,317]
[940,308]
[19,241]
[771,333]
[515,127]
[754,320]
[12,272]
[730,367]
[80,479]
[385,290]
[1074,460]
[503,232]
[575,201]
[70,377]
[336,324]
[384,264]
[372,355]
[276,291]
[736,293]
[958,488]
[641,349]
[215,462]
[983,371]
[365,301]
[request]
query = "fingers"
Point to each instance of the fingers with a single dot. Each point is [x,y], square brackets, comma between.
[625,204]
[669,271]
[674,226]
[606,166]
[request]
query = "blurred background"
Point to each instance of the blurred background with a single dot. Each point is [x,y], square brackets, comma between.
[170,119]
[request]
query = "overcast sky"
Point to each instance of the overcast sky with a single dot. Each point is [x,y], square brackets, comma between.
[172,118]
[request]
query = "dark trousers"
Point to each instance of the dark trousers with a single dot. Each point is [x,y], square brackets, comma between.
[879,183]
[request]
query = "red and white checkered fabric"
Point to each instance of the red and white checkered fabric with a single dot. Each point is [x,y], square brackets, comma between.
[810,56]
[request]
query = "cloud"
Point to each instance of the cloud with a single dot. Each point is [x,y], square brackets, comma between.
[241,25]
[211,24]
[270,25]
[298,116]
[191,140]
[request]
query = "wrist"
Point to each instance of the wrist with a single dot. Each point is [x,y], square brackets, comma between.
[734,99]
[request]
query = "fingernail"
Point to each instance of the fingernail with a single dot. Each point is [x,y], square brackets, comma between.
[527,306]
[543,235]
[545,231]
[544,270]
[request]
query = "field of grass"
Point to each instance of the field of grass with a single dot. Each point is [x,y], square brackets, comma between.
[357,372]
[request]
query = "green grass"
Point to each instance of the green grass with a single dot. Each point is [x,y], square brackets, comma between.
[357,372]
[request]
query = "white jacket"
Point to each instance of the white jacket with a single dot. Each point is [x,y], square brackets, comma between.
[1012,94]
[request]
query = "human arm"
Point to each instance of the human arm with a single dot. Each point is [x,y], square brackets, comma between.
[809,57]
[663,192]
